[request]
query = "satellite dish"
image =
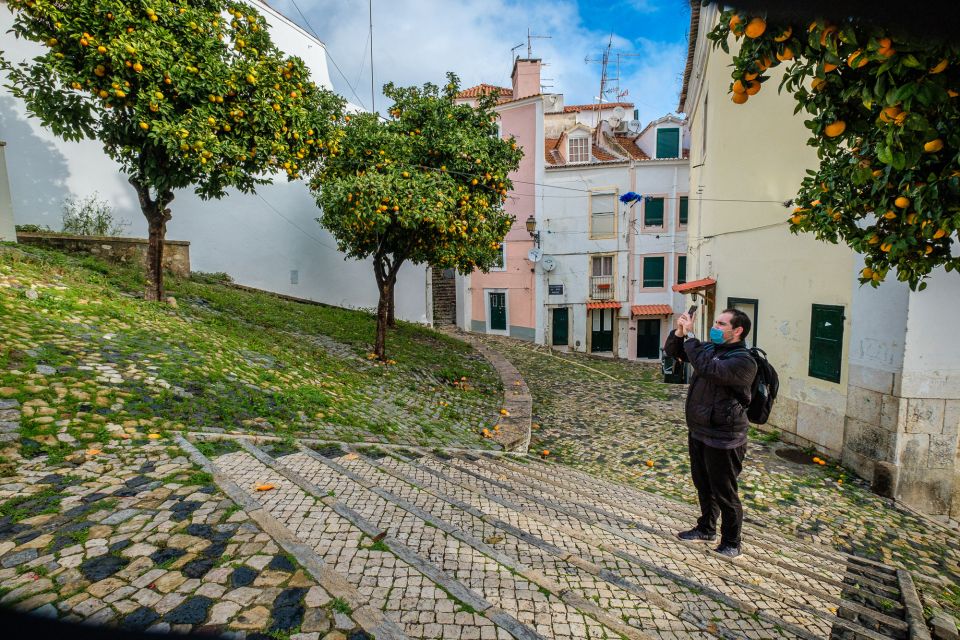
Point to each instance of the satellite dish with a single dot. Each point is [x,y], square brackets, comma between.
[548,264]
[619,112]
[535,254]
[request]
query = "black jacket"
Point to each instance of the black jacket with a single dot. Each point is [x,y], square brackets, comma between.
[719,389]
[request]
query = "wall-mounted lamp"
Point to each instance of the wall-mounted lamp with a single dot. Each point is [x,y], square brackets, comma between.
[531,225]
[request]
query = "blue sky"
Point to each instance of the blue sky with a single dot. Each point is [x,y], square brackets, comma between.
[417,41]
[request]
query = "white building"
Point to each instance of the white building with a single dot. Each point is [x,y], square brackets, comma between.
[607,266]
[270,240]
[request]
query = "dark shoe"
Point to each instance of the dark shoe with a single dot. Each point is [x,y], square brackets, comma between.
[729,550]
[696,535]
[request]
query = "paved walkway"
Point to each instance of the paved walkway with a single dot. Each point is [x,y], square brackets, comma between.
[614,419]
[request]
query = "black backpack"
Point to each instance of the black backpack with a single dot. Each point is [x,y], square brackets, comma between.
[765,386]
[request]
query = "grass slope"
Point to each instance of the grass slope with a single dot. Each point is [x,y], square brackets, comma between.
[91,361]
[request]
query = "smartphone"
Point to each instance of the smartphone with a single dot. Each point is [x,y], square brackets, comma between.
[692,310]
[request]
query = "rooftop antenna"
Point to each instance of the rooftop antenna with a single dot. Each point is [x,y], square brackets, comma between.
[373,104]
[608,85]
[530,38]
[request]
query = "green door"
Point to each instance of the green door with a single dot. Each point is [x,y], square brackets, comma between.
[648,338]
[498,311]
[601,334]
[826,342]
[561,327]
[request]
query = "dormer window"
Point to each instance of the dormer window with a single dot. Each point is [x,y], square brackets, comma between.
[578,149]
[668,142]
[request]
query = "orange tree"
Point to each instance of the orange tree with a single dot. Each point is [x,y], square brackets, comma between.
[181,93]
[884,116]
[426,186]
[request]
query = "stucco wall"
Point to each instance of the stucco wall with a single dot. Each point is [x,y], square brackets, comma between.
[745,160]
[7,230]
[269,241]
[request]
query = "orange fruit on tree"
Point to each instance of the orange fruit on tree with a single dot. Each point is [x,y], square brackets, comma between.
[866,272]
[756,27]
[874,239]
[753,88]
[739,98]
[893,111]
[826,33]
[885,247]
[928,250]
[902,201]
[952,93]
[750,76]
[786,54]
[939,233]
[738,87]
[940,66]
[933,146]
[911,218]
[890,215]
[857,59]
[786,33]
[818,83]
[835,128]
[877,173]
[796,218]
[828,67]
[735,22]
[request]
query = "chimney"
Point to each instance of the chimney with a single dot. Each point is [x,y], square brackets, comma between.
[526,77]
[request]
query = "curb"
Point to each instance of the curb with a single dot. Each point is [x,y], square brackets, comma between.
[515,428]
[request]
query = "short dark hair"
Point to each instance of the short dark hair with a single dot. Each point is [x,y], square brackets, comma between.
[739,319]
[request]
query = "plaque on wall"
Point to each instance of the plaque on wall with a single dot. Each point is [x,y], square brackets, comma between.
[556,289]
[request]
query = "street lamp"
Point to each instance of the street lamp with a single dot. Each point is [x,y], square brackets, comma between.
[531,225]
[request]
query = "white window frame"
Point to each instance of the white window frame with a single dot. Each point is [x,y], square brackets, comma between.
[506,302]
[612,192]
[503,259]
[578,138]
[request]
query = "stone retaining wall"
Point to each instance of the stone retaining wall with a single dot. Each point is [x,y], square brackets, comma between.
[176,253]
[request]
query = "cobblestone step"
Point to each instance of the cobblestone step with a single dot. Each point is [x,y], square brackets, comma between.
[426,595]
[806,608]
[588,569]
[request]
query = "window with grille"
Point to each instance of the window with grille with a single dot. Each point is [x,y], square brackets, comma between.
[603,265]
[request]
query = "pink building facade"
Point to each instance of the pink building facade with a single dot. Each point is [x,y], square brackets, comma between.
[504,301]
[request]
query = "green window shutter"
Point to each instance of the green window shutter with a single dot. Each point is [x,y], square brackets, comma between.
[668,143]
[683,209]
[653,272]
[826,342]
[681,269]
[653,212]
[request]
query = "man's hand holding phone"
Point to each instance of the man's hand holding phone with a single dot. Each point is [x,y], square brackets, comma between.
[685,322]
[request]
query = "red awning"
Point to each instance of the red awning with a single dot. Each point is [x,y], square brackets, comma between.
[603,305]
[651,310]
[696,285]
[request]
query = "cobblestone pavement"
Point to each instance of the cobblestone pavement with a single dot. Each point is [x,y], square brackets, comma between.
[132,534]
[614,419]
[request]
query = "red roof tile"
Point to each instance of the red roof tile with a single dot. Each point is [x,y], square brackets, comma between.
[574,108]
[484,89]
[603,305]
[651,310]
[696,285]
[629,145]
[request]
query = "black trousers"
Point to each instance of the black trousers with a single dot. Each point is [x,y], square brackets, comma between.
[715,474]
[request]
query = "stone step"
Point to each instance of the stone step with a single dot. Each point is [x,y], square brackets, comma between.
[453,537]
[792,602]
[588,569]
[501,592]
[403,591]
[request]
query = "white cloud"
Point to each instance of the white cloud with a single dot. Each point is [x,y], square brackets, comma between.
[417,41]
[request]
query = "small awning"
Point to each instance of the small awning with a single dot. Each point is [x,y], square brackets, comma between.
[651,310]
[696,285]
[603,305]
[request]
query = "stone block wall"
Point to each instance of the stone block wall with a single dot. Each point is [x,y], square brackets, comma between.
[444,297]
[176,253]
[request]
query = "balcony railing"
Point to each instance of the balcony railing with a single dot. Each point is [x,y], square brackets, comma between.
[601,288]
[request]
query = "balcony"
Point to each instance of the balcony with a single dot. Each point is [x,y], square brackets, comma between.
[601,288]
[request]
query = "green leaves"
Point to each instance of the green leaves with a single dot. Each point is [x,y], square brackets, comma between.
[884,108]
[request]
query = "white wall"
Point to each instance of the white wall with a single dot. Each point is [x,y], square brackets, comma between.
[258,239]
[7,231]
[931,365]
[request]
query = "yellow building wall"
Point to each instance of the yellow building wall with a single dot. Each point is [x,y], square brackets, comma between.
[745,160]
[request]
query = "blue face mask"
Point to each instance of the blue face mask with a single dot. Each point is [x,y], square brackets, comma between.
[716,335]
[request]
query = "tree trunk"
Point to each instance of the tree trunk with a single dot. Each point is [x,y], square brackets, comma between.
[391,313]
[380,348]
[157,215]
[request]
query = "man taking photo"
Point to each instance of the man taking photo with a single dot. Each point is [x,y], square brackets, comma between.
[719,392]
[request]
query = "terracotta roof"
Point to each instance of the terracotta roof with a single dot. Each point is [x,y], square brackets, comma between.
[629,145]
[574,108]
[603,305]
[550,151]
[484,89]
[696,285]
[602,154]
[691,49]
[651,310]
